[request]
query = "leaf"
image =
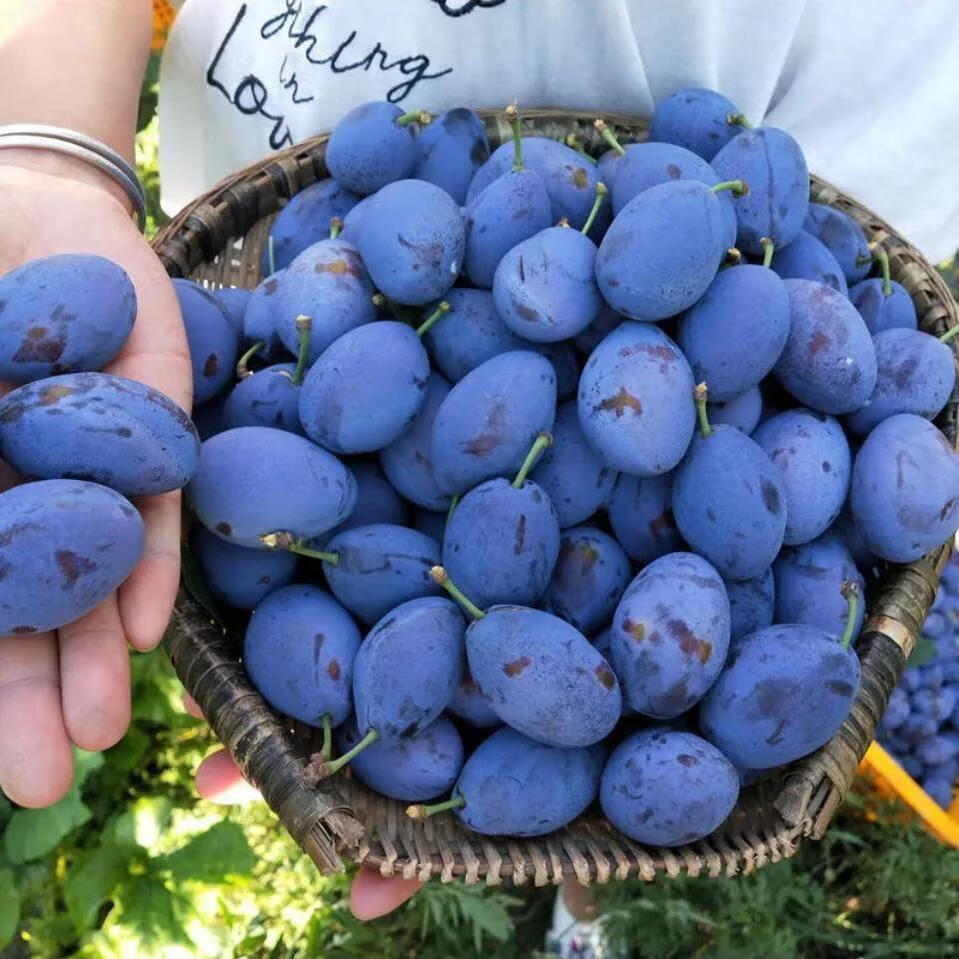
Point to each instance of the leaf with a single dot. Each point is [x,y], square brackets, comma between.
[143,824]
[9,908]
[83,765]
[90,885]
[32,833]
[150,920]
[211,857]
[129,752]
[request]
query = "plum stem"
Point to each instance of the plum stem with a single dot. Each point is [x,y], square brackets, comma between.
[733,257]
[512,118]
[736,187]
[851,591]
[414,116]
[421,811]
[285,540]
[882,258]
[542,443]
[769,248]
[304,326]
[738,120]
[442,578]
[337,764]
[270,255]
[574,144]
[327,749]
[608,136]
[701,394]
[442,308]
[242,368]
[949,334]
[336,227]
[601,192]
[454,502]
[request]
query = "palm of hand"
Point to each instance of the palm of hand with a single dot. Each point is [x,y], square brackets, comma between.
[74,686]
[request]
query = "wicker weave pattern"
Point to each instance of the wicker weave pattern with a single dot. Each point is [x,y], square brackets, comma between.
[219,241]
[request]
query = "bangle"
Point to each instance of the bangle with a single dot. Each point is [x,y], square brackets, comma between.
[31,136]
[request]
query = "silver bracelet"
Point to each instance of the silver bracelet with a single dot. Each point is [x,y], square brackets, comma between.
[34,136]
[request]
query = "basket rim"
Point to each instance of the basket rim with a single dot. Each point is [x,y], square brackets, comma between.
[343,818]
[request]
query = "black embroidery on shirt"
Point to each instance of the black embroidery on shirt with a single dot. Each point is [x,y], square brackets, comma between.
[458,8]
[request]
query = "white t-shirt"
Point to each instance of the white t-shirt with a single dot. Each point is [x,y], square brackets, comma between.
[867,87]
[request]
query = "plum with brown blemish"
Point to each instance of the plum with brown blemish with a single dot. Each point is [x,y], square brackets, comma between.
[471,704]
[905,489]
[488,421]
[239,576]
[421,767]
[63,314]
[299,649]
[635,401]
[571,474]
[752,604]
[784,692]
[640,513]
[667,787]
[214,345]
[829,362]
[812,455]
[450,150]
[916,373]
[806,258]
[256,481]
[729,501]
[843,237]
[670,635]
[65,545]
[698,119]
[99,427]
[508,786]
[502,539]
[590,575]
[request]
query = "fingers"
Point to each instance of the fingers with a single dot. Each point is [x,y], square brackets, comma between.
[373,895]
[36,764]
[218,780]
[95,678]
[147,597]
[192,707]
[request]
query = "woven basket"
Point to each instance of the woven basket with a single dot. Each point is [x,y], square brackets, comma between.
[218,240]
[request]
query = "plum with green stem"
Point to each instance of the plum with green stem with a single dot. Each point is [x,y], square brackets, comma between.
[883,303]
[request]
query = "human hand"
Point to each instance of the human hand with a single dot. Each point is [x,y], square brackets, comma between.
[372,895]
[73,686]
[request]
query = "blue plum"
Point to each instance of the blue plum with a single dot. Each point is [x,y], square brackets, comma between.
[641,515]
[213,342]
[305,220]
[905,489]
[208,418]
[63,314]
[237,575]
[806,258]
[259,320]
[268,397]
[812,455]
[744,410]
[393,698]
[666,787]
[376,500]
[469,702]
[543,677]
[588,580]
[604,324]
[773,165]
[808,581]
[366,390]
[421,767]
[508,786]
[379,567]
[884,306]
[545,288]
[328,283]
[353,221]
[845,529]
[574,478]
[65,545]
[450,151]
[670,635]
[752,604]
[255,481]
[371,146]
[829,362]
[408,460]
[842,236]
[501,543]
[299,652]
[916,373]
[735,334]
[662,251]
[635,400]
[700,120]
[489,420]
[413,241]
[99,427]
[236,299]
